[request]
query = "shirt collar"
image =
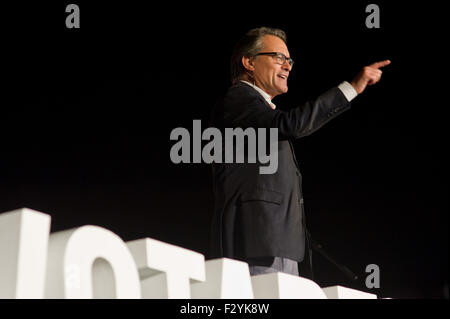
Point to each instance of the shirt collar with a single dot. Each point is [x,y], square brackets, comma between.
[263,94]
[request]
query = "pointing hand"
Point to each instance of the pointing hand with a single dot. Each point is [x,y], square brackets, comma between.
[369,75]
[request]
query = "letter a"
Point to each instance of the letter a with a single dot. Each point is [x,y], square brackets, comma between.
[373,19]
[184,145]
[73,19]
[373,280]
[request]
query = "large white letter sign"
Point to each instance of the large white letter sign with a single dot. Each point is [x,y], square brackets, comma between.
[225,279]
[284,286]
[93,262]
[23,253]
[90,262]
[166,271]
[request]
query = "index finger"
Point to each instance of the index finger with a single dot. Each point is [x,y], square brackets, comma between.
[380,64]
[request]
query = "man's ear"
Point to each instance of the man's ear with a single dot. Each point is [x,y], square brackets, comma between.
[248,63]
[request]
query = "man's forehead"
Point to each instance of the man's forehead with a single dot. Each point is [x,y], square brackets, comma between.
[274,43]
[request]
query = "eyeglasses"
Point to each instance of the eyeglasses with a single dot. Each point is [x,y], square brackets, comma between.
[280,58]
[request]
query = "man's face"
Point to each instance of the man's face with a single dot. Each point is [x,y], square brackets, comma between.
[269,75]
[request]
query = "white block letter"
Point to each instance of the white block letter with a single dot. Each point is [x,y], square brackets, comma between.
[225,279]
[339,292]
[166,270]
[90,262]
[23,253]
[284,286]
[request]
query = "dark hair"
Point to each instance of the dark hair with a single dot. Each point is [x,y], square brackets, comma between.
[250,44]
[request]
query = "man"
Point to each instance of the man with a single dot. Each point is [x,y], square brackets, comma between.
[259,218]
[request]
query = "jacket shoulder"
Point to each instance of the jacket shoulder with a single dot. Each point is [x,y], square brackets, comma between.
[240,89]
[242,95]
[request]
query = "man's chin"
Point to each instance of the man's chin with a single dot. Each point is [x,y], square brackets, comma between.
[283,89]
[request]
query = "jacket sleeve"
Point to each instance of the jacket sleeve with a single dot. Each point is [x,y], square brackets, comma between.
[249,110]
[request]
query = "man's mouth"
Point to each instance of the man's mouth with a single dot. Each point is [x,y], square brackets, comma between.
[284,77]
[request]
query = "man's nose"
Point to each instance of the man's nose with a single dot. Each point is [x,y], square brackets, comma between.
[286,66]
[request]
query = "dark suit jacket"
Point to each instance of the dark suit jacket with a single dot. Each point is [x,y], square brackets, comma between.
[258,215]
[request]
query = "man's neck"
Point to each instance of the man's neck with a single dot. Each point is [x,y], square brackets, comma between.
[264,94]
[251,81]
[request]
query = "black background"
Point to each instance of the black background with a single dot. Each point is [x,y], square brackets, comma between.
[86,114]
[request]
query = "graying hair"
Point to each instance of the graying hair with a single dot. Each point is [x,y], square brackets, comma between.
[249,45]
